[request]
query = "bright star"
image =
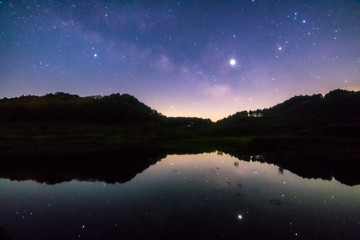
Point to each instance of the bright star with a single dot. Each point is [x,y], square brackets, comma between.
[95,55]
[240,216]
[232,62]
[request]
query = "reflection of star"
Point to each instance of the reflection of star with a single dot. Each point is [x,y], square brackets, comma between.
[232,62]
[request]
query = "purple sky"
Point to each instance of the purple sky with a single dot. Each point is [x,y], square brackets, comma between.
[183,58]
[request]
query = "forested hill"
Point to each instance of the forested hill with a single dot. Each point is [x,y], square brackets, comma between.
[338,112]
[121,109]
[337,104]
[115,108]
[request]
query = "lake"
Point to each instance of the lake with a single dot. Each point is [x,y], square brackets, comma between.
[201,196]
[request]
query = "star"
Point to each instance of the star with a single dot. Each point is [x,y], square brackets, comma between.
[232,62]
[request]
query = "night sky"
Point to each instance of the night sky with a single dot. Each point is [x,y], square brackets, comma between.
[182,58]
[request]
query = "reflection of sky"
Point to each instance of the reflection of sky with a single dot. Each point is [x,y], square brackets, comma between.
[198,58]
[223,167]
[196,191]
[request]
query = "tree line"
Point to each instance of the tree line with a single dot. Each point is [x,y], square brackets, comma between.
[337,112]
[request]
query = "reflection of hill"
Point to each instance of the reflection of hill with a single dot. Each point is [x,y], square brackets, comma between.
[122,166]
[310,157]
[4,235]
[110,167]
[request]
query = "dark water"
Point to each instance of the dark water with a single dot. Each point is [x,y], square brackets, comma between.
[206,196]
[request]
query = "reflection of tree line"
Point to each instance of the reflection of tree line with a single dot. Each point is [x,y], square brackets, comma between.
[111,167]
[315,163]
[4,235]
[122,165]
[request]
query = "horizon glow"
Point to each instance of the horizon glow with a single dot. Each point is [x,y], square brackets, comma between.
[181,58]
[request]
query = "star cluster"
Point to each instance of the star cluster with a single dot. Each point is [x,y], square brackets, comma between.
[189,58]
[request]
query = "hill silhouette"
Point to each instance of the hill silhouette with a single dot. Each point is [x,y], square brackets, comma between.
[338,108]
[67,107]
[335,114]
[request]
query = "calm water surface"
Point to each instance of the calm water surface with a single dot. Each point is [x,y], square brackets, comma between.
[206,196]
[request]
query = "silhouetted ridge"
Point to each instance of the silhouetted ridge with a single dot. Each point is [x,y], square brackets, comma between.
[297,102]
[337,113]
[115,108]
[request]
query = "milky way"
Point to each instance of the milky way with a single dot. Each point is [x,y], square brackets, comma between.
[188,58]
